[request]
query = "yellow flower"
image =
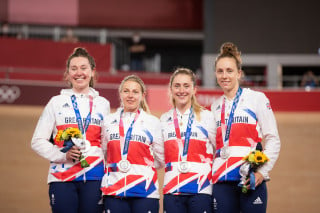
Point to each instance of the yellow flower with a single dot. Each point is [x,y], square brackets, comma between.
[251,157]
[65,135]
[58,136]
[259,157]
[245,158]
[70,132]
[253,161]
[75,133]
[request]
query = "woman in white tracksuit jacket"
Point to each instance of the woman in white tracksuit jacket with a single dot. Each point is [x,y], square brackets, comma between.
[188,133]
[71,187]
[244,118]
[134,152]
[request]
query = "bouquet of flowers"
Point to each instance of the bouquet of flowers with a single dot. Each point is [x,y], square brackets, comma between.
[254,160]
[71,136]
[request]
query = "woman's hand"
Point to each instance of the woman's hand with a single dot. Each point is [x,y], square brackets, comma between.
[74,154]
[258,178]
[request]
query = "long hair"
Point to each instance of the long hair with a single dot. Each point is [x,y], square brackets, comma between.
[81,52]
[134,78]
[194,103]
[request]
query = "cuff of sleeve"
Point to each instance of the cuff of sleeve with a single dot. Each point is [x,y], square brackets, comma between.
[264,173]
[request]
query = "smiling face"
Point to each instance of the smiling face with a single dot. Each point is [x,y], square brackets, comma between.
[228,75]
[182,90]
[79,74]
[131,96]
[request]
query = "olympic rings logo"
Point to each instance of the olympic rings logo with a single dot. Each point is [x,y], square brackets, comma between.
[9,93]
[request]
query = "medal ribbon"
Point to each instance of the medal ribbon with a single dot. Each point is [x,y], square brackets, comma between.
[188,132]
[226,130]
[124,140]
[82,127]
[252,184]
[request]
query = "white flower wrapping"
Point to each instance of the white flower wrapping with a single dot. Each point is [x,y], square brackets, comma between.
[84,145]
[244,172]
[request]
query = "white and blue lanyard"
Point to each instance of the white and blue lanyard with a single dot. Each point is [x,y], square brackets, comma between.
[82,127]
[187,134]
[124,141]
[226,130]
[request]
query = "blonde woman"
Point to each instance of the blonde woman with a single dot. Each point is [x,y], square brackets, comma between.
[188,133]
[134,152]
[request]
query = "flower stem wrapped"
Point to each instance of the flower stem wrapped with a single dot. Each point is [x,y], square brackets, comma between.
[70,137]
[253,161]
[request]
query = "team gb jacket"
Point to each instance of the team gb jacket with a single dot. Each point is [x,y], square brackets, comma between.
[199,154]
[253,121]
[145,154]
[58,115]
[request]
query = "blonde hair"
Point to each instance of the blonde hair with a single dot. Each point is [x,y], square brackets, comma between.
[134,78]
[230,50]
[81,52]
[194,103]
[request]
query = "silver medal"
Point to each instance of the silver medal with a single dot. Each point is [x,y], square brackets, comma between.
[184,166]
[224,152]
[124,166]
